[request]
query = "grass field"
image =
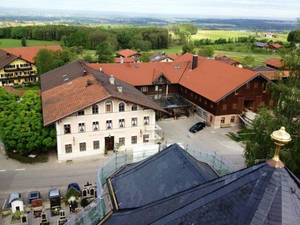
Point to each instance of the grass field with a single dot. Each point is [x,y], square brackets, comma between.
[216,34]
[11,43]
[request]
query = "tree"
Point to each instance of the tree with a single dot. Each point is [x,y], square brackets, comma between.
[286,112]
[23,42]
[47,60]
[294,36]
[188,48]
[206,51]
[21,124]
[104,53]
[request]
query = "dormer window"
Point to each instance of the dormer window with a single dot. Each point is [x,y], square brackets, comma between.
[95,109]
[121,107]
[134,107]
[108,106]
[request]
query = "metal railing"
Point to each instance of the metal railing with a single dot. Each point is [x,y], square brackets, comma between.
[96,211]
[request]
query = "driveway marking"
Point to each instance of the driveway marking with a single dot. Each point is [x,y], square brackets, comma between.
[4,204]
[2,170]
[21,169]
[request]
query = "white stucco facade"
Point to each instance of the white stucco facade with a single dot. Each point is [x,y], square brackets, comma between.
[92,129]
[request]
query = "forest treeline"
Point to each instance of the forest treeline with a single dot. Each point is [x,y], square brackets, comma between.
[140,38]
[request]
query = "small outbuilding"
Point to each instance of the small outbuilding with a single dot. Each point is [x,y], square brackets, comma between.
[17,205]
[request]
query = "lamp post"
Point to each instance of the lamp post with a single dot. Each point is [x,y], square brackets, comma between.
[280,138]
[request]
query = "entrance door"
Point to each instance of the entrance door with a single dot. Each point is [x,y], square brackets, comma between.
[109,144]
[249,104]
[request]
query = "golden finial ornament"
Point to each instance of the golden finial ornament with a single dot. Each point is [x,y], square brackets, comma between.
[280,138]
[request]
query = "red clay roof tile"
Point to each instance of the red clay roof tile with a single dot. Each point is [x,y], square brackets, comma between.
[29,53]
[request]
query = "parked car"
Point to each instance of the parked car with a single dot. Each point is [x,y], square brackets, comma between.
[33,195]
[75,186]
[197,127]
[55,201]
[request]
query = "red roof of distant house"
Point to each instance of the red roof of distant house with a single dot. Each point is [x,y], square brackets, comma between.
[274,62]
[127,53]
[275,46]
[173,56]
[29,53]
[227,60]
[123,60]
[212,79]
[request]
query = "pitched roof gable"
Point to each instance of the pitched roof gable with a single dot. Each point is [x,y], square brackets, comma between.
[137,185]
[75,86]
[29,53]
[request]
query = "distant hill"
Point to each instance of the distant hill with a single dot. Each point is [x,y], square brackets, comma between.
[92,18]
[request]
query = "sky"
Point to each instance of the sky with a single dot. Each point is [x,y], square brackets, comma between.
[275,9]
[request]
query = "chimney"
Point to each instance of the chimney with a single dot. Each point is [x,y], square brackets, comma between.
[120,89]
[112,80]
[194,62]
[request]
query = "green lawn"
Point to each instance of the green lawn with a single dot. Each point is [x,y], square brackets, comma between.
[216,34]
[11,43]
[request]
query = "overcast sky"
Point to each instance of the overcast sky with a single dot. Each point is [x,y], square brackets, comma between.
[280,9]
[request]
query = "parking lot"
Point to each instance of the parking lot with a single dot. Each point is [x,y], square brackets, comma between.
[208,140]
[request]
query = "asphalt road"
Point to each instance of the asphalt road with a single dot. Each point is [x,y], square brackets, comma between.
[41,177]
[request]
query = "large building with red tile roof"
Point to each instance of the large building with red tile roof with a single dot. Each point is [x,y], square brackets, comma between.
[17,65]
[215,90]
[94,112]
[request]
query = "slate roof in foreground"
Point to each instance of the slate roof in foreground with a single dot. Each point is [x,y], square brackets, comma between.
[164,174]
[258,195]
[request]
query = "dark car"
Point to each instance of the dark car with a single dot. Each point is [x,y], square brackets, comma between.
[75,186]
[55,204]
[33,195]
[197,127]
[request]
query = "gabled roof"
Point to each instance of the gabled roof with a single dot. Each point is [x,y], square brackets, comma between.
[160,176]
[214,79]
[204,80]
[140,74]
[75,86]
[127,53]
[29,53]
[123,60]
[259,195]
[6,58]
[226,59]
[275,62]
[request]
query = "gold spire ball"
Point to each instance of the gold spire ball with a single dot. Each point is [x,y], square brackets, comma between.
[280,138]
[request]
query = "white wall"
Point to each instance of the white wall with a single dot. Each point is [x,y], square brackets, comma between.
[75,137]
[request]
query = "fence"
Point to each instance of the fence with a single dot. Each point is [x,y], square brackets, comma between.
[96,211]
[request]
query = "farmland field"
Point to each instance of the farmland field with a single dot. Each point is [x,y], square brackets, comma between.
[216,34]
[11,43]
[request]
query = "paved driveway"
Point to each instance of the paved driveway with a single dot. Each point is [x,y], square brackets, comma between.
[209,140]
